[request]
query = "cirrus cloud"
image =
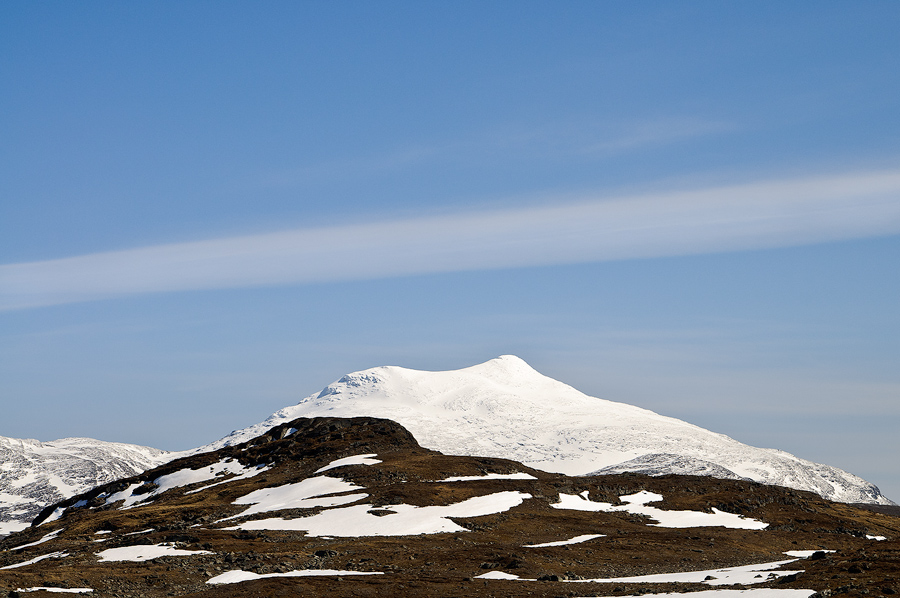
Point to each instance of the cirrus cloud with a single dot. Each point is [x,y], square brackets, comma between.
[776,213]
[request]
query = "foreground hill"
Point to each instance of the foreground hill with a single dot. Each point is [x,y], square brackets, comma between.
[504,408]
[355,507]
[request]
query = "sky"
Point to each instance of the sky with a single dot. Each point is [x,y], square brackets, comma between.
[210,210]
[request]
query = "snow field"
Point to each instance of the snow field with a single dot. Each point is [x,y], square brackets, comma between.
[396,520]
[804,554]
[745,575]
[364,519]
[637,504]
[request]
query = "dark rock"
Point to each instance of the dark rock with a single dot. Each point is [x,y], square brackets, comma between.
[181,538]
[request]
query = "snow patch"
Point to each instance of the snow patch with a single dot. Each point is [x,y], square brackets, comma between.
[46,538]
[354,460]
[124,495]
[637,504]
[57,590]
[301,495]
[143,531]
[185,477]
[804,554]
[248,473]
[745,575]
[56,514]
[575,540]
[751,593]
[497,575]
[396,520]
[490,476]
[237,575]
[144,552]
[37,559]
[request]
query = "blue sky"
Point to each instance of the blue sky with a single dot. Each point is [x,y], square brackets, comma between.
[210,210]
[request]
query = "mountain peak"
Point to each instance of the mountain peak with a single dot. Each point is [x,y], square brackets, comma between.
[504,408]
[505,368]
[511,364]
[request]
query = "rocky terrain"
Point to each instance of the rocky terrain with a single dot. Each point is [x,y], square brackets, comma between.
[356,507]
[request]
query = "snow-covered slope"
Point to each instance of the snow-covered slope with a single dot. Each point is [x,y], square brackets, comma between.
[504,408]
[35,474]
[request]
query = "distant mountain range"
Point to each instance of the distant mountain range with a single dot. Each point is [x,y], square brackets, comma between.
[36,474]
[502,408]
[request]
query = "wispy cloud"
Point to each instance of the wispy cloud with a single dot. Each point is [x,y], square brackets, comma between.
[595,139]
[751,216]
[585,139]
[656,133]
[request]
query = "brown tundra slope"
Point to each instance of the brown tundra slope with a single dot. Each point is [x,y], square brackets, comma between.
[355,507]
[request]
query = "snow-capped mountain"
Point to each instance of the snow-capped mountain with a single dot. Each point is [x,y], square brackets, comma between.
[501,408]
[35,474]
[504,408]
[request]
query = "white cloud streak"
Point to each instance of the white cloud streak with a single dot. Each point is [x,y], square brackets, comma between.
[752,216]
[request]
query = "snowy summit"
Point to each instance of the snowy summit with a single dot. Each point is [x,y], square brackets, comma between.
[504,408]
